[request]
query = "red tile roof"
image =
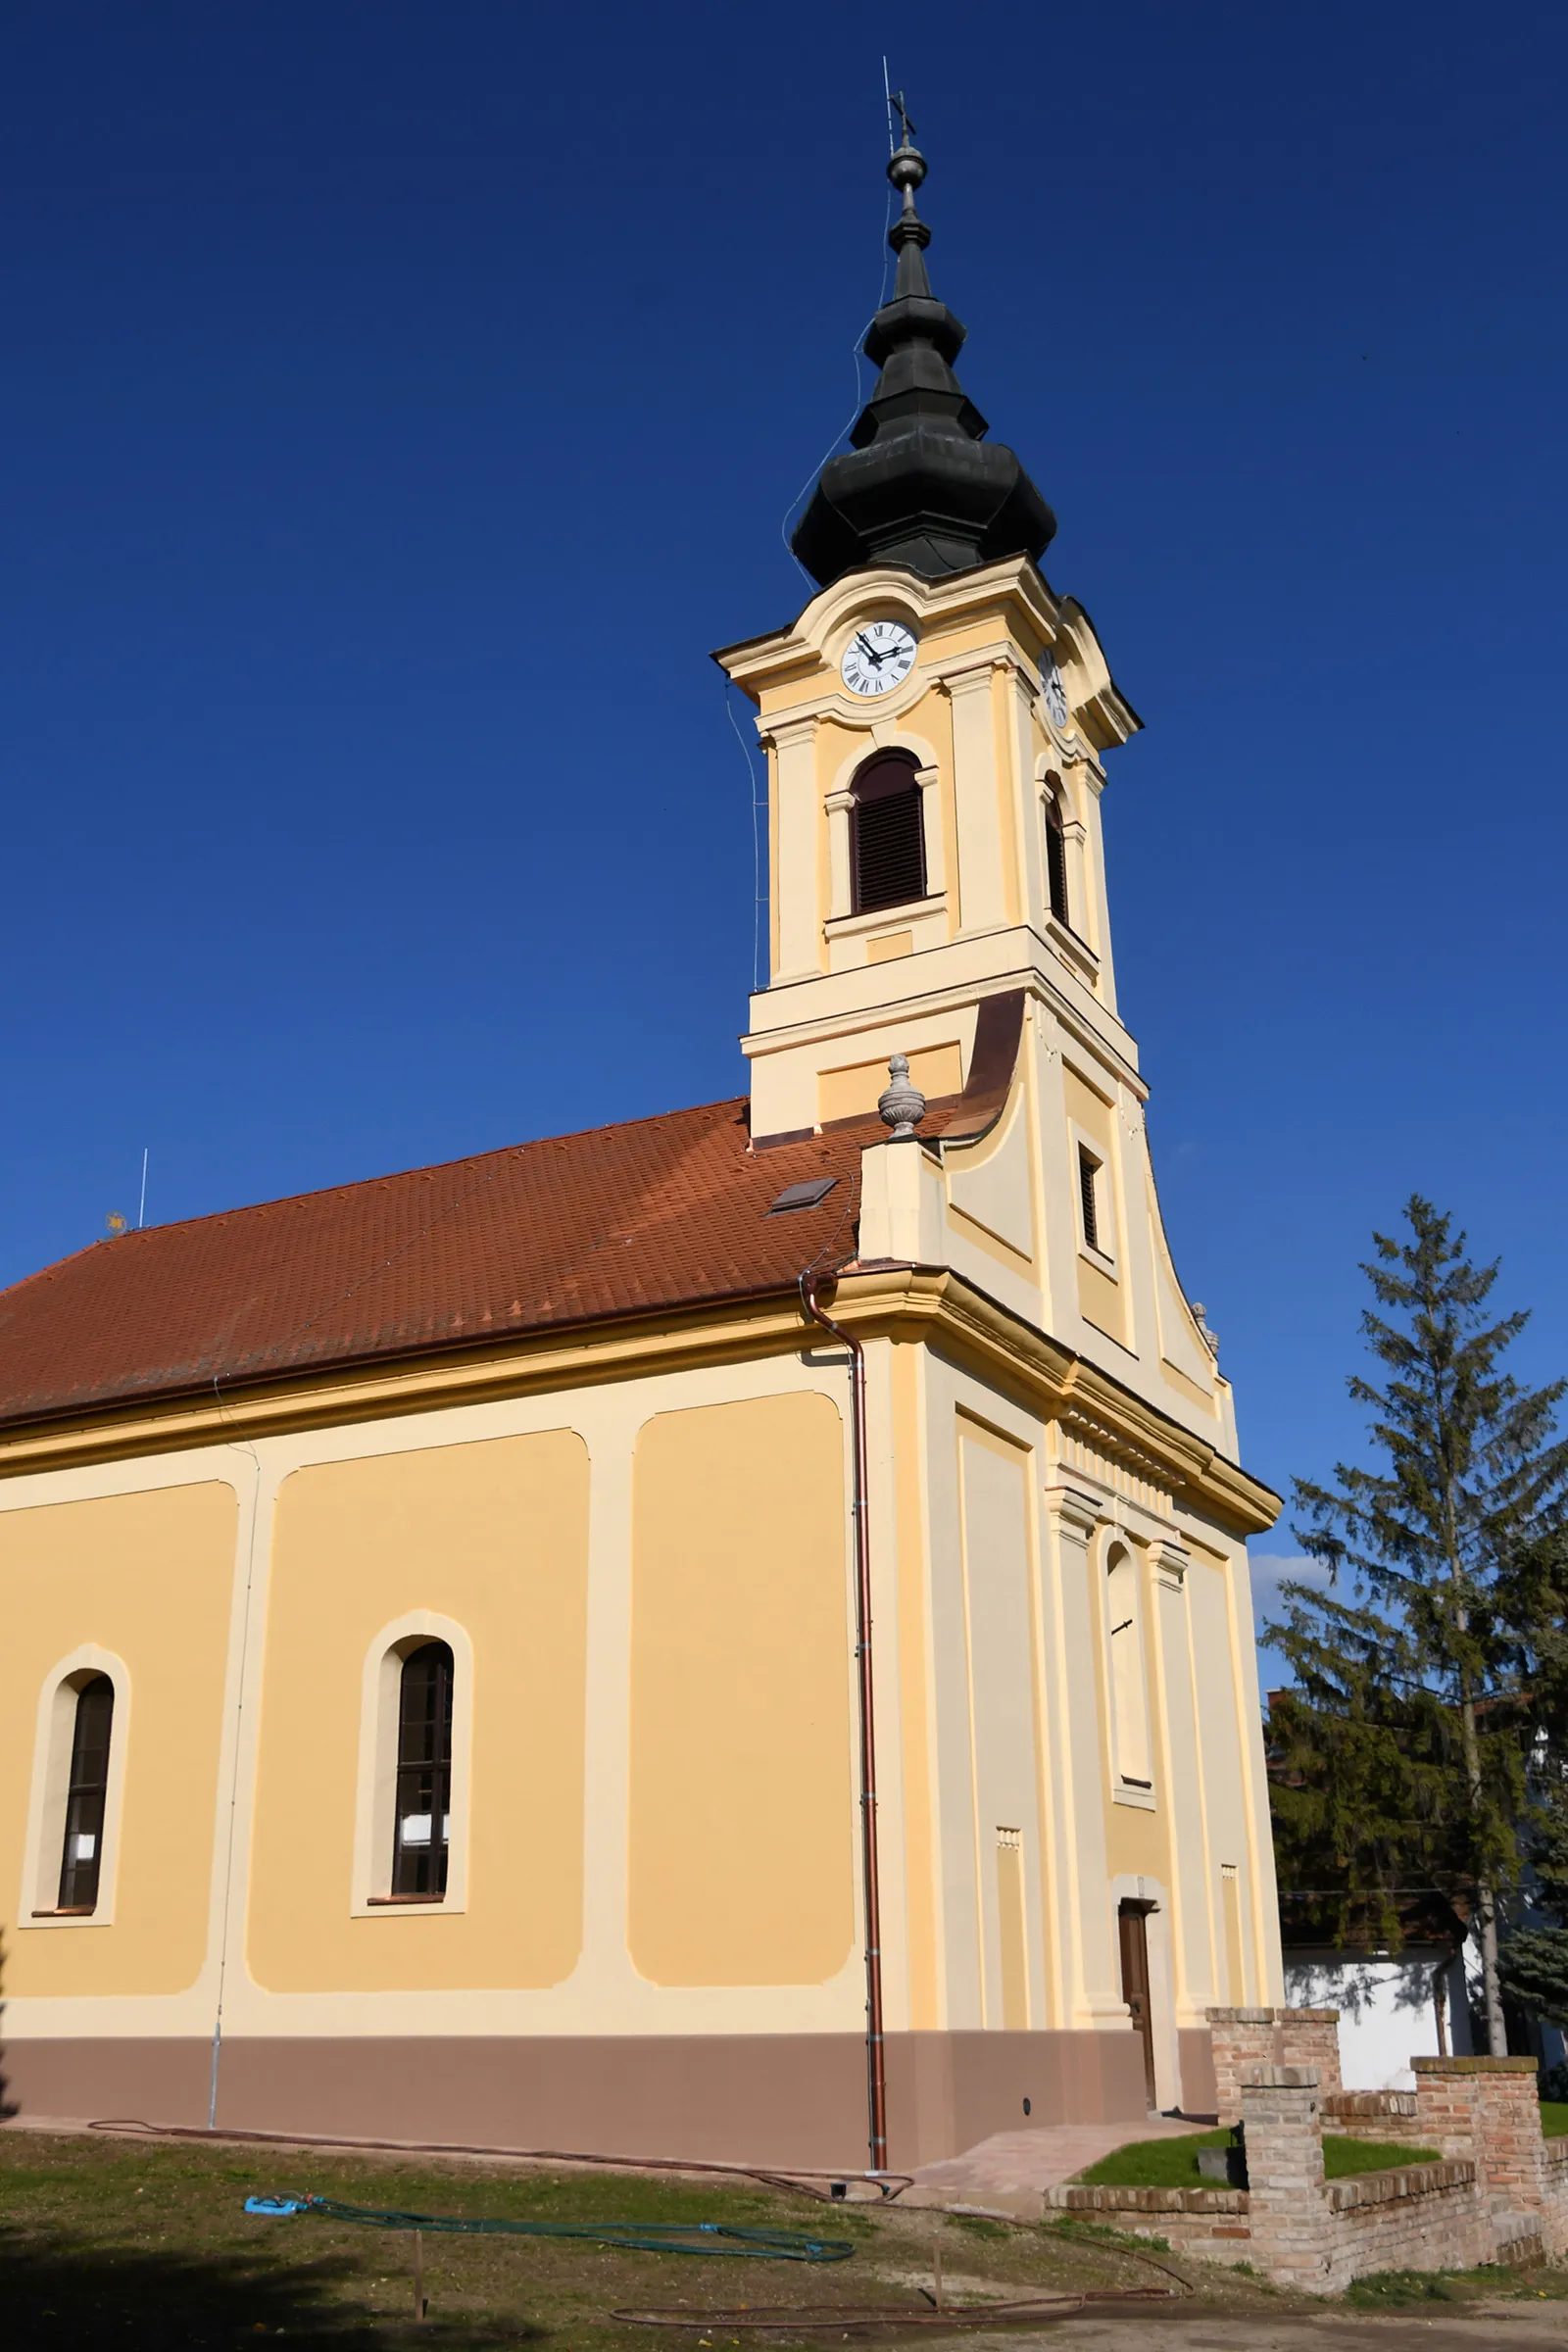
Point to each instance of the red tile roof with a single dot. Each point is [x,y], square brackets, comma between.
[647,1217]
[656,1214]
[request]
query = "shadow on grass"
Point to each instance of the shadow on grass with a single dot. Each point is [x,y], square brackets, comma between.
[64,2291]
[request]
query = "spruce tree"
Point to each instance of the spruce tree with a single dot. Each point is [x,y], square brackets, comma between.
[1535,1953]
[1400,1755]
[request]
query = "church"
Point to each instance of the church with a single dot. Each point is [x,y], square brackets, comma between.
[726,1636]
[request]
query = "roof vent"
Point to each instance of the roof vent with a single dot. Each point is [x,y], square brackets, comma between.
[802,1196]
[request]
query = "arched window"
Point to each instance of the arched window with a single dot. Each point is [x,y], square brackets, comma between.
[1129,1706]
[86,1796]
[888,833]
[1055,851]
[422,1831]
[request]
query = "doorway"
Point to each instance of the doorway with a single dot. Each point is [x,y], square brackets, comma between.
[1132,1922]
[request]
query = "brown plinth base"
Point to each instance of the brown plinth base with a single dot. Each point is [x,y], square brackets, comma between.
[1195,2051]
[777,2099]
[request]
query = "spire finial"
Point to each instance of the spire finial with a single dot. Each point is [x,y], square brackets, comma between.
[907,171]
[919,487]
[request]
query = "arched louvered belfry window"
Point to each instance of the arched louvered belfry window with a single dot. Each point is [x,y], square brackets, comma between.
[888,833]
[423,1820]
[86,1795]
[1055,853]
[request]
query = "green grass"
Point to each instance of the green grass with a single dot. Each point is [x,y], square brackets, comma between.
[1392,2291]
[1173,2162]
[143,2246]
[1554,2118]
[1155,2163]
[1342,2158]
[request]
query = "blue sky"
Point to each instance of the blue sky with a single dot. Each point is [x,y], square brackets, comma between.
[356,354]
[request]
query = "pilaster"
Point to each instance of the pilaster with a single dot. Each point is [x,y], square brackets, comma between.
[841,891]
[1089,1970]
[797,913]
[929,780]
[982,881]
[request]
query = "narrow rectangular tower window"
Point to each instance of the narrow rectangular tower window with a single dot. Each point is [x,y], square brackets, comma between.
[1230,1886]
[1015,1949]
[1088,1174]
[1055,860]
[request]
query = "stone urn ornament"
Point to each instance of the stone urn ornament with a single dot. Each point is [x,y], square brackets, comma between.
[901,1106]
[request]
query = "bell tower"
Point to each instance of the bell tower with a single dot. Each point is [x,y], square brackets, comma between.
[936,724]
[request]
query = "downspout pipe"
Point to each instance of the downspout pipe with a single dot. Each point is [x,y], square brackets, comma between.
[875,2058]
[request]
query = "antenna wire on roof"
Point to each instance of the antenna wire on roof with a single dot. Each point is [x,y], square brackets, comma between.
[759,897]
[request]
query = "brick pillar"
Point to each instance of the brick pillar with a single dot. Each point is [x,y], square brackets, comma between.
[1488,2109]
[1311,2038]
[1286,2202]
[1247,2038]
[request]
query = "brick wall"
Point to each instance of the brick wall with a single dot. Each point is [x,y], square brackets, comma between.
[1498,2192]
[1487,2109]
[1210,2222]
[1247,2037]
[1375,2115]
[1418,2217]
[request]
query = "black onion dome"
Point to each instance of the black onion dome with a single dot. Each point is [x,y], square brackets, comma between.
[921,488]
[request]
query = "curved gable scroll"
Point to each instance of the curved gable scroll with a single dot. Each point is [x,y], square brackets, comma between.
[992,1064]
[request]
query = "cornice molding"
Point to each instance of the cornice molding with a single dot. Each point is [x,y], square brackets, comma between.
[1042,981]
[1057,1381]
[902,1302]
[757,662]
[1079,1513]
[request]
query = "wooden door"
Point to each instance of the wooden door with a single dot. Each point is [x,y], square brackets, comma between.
[1132,1922]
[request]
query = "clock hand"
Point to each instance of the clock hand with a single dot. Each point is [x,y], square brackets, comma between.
[872,651]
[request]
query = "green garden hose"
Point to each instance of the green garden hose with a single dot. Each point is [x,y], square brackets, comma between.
[641,2237]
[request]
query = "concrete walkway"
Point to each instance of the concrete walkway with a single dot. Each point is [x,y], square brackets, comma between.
[1011,2172]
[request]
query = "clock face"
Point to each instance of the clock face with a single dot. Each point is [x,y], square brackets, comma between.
[1055,690]
[878,658]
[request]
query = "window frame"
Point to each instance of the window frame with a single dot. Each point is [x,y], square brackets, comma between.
[891,759]
[1091,1167]
[371,1895]
[53,1739]
[430,1773]
[1127,1687]
[1058,886]
[1099,1249]
[92,1748]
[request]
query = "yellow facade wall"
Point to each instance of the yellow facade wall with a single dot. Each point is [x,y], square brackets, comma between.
[150,1578]
[494,1535]
[742,1804]
[937,1071]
